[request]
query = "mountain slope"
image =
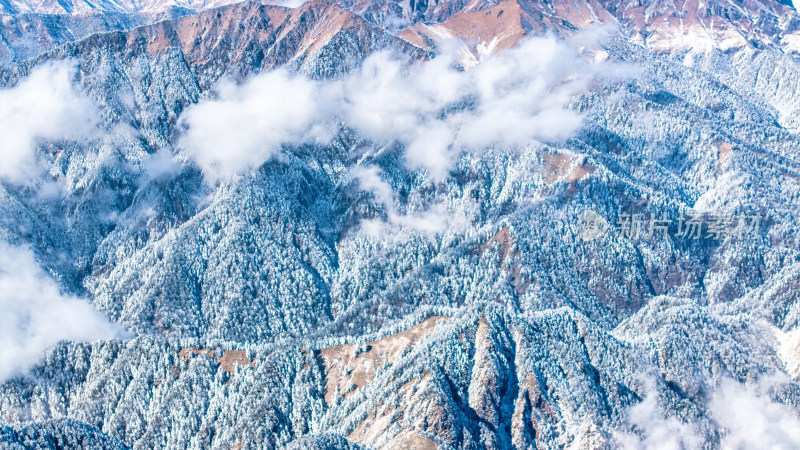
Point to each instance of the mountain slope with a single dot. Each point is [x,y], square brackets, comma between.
[337,295]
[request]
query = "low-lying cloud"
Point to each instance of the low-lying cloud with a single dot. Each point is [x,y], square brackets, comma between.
[746,416]
[751,419]
[435,109]
[34,314]
[248,123]
[656,430]
[43,107]
[434,219]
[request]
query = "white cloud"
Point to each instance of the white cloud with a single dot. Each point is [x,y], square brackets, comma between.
[369,179]
[751,419]
[434,219]
[247,124]
[435,109]
[657,431]
[42,107]
[160,165]
[746,417]
[34,314]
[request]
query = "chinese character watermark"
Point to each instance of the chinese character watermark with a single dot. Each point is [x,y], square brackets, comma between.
[693,225]
[593,226]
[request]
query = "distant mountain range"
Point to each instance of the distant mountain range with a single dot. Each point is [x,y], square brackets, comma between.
[84,7]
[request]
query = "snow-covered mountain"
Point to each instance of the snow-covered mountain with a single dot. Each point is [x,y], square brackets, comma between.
[364,224]
[86,7]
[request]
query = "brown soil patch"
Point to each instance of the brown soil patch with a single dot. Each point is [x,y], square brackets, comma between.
[495,29]
[503,240]
[352,366]
[410,440]
[723,156]
[228,361]
[415,404]
[562,167]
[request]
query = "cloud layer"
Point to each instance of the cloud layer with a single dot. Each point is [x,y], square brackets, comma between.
[435,109]
[751,419]
[43,107]
[746,415]
[248,123]
[34,314]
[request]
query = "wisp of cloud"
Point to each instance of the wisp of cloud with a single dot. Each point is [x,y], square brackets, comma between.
[747,418]
[435,219]
[435,108]
[34,314]
[43,107]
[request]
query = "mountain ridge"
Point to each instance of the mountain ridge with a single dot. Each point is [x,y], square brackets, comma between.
[332,294]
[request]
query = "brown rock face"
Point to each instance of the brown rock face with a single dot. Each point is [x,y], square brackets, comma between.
[353,366]
[663,27]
